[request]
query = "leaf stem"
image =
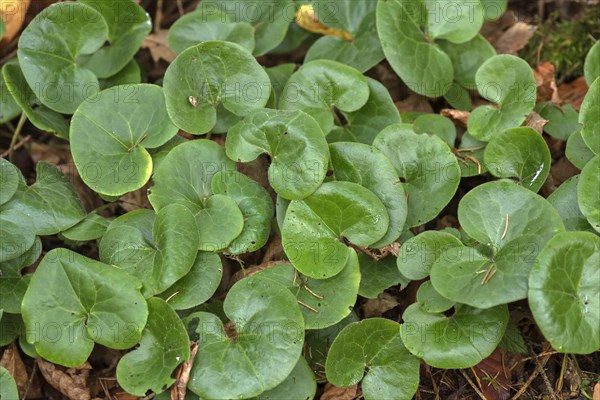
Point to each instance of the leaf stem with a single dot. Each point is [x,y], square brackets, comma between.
[15,137]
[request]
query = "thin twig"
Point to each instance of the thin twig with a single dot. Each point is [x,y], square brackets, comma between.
[487,273]
[505,228]
[13,142]
[184,378]
[17,146]
[531,377]
[472,384]
[307,306]
[313,293]
[559,383]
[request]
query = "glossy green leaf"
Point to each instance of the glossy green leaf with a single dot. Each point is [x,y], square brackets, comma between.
[39,115]
[278,75]
[73,301]
[577,152]
[498,271]
[270,20]
[507,81]
[128,24]
[10,177]
[185,177]
[17,232]
[423,66]
[426,166]
[295,142]
[197,82]
[109,137]
[459,341]
[467,58]
[260,354]
[437,125]
[562,122]
[206,25]
[90,228]
[431,301]
[377,276]
[564,200]
[590,118]
[368,167]
[364,125]
[50,52]
[12,283]
[418,253]
[11,326]
[563,292]
[330,300]
[300,384]
[129,75]
[198,285]
[521,154]
[8,386]
[375,344]
[588,192]
[493,9]
[322,86]
[458,97]
[457,21]
[9,108]
[163,346]
[469,150]
[591,67]
[314,228]
[158,263]
[256,206]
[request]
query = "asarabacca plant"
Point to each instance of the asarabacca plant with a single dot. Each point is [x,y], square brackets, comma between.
[353,179]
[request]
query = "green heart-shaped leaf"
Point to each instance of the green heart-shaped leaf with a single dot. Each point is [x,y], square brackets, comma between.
[205,25]
[73,301]
[90,228]
[210,74]
[8,386]
[17,232]
[10,177]
[589,118]
[577,152]
[109,137]
[431,301]
[296,144]
[362,164]
[507,81]
[377,276]
[458,97]
[255,356]
[321,301]
[50,51]
[9,108]
[437,125]
[128,24]
[457,21]
[562,121]
[467,58]
[300,384]
[426,166]
[163,346]
[322,86]
[418,253]
[460,341]
[591,67]
[255,204]
[39,115]
[315,227]
[422,65]
[588,192]
[375,344]
[11,326]
[129,75]
[198,285]
[278,75]
[564,200]
[563,292]
[185,177]
[12,284]
[521,154]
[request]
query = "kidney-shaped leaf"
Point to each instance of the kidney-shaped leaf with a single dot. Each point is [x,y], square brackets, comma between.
[459,341]
[521,154]
[375,344]
[254,355]
[49,52]
[12,284]
[467,58]
[8,386]
[588,192]
[109,137]
[300,384]
[376,276]
[564,200]
[564,295]
[314,228]
[590,119]
[211,74]
[592,64]
[73,301]
[184,177]
[10,176]
[507,81]
[163,346]
[426,166]
[457,21]
[431,301]
[295,142]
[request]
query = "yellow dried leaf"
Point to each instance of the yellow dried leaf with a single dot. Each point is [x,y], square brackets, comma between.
[306,19]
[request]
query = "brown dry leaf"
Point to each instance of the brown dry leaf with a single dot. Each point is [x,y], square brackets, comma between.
[157,44]
[376,307]
[546,83]
[515,38]
[535,121]
[72,382]
[340,393]
[493,376]
[414,103]
[306,19]
[597,391]
[573,92]
[456,115]
[13,14]
[11,360]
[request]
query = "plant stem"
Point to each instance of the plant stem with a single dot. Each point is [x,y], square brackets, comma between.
[15,137]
